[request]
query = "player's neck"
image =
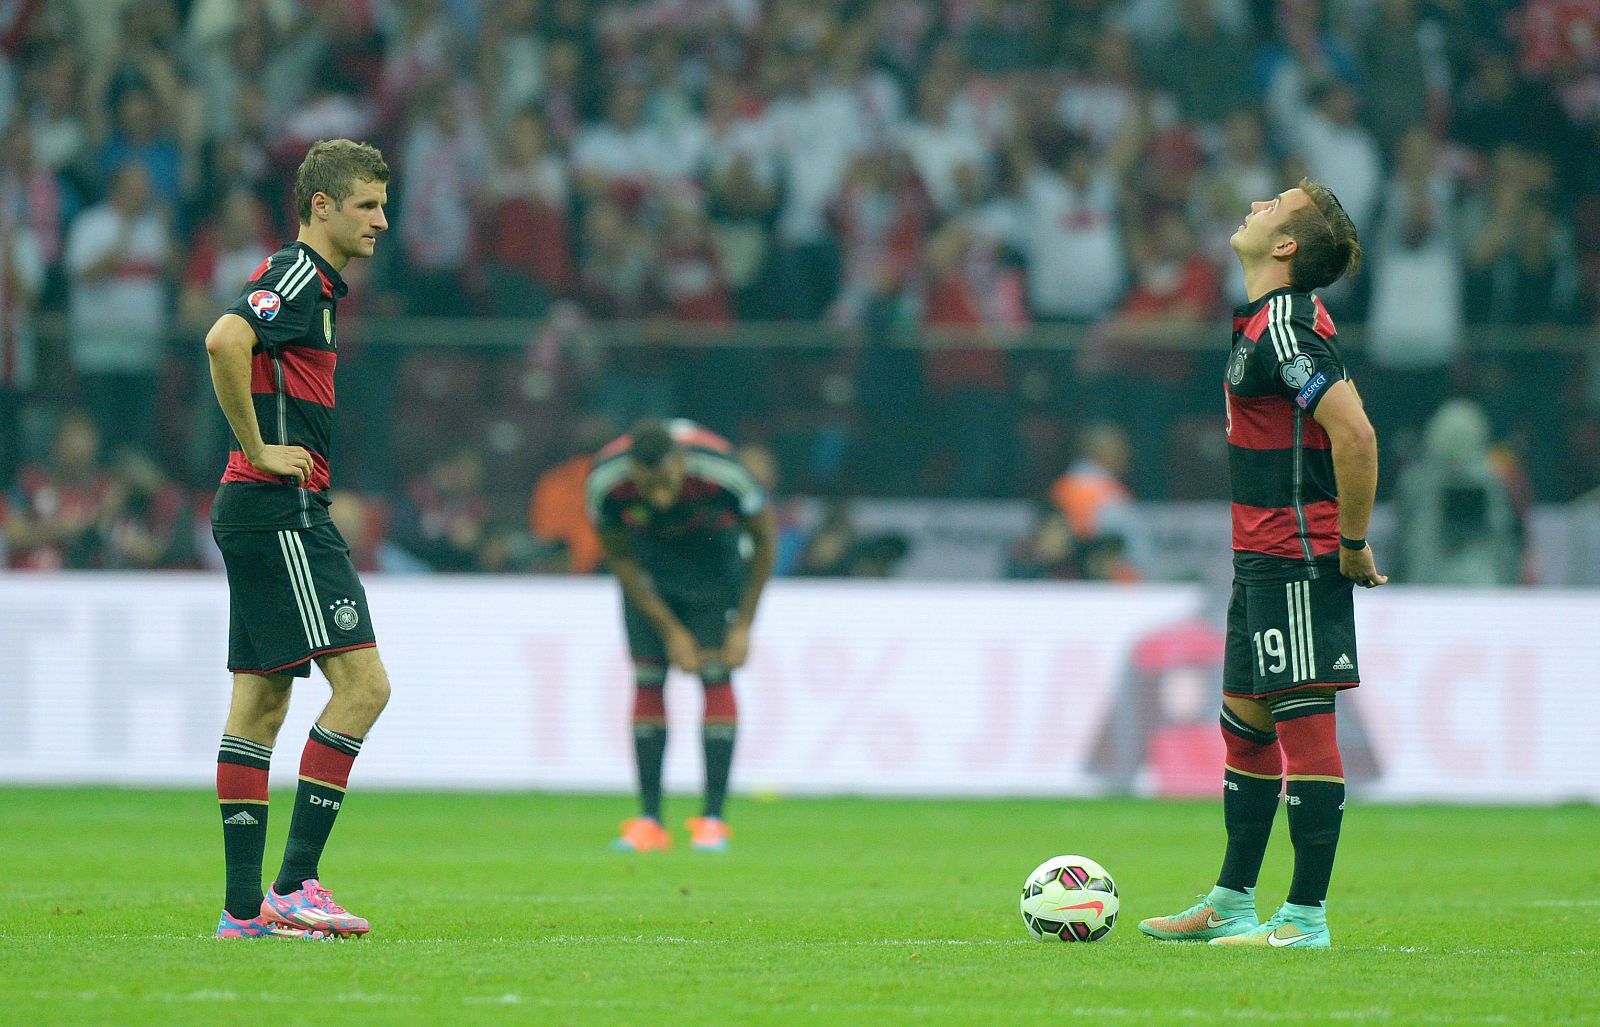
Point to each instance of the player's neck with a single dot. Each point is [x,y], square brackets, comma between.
[1267,276]
[312,236]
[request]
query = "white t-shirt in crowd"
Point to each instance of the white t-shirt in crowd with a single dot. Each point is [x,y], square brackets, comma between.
[118,322]
[936,151]
[817,136]
[1076,266]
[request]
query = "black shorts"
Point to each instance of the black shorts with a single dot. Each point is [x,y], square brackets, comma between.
[292,595]
[708,621]
[1291,635]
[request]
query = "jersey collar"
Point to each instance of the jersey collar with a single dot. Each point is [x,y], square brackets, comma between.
[334,279]
[1250,308]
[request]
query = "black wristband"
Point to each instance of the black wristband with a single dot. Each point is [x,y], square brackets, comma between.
[1352,543]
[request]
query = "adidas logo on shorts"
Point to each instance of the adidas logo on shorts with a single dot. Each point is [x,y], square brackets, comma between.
[1343,662]
[241,819]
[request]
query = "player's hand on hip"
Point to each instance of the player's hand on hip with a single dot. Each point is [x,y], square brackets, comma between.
[682,650]
[1360,567]
[285,462]
[736,647]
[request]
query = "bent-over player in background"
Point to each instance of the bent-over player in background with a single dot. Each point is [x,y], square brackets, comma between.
[1303,469]
[673,507]
[294,595]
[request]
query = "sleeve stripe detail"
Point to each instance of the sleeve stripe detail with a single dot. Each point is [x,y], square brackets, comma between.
[296,279]
[1280,329]
[731,475]
[605,477]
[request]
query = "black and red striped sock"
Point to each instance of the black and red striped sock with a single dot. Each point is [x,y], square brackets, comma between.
[1315,795]
[242,793]
[1252,777]
[717,734]
[324,774]
[649,746]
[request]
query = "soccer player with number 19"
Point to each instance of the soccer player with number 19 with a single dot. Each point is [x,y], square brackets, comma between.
[1303,468]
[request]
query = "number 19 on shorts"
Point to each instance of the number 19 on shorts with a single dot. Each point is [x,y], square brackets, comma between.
[1270,643]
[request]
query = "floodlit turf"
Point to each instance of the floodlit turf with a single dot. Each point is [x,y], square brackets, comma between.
[509,908]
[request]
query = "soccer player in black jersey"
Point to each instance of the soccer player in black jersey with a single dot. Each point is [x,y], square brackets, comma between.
[294,595]
[1303,470]
[673,507]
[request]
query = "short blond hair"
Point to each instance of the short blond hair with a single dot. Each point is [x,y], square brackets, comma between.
[333,167]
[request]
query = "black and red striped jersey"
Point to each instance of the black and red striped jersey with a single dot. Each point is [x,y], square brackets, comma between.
[289,303]
[1285,356]
[692,548]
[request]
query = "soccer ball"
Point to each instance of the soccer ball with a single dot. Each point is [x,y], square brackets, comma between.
[1071,898]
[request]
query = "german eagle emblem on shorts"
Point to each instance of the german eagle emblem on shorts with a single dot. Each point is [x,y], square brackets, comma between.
[345,614]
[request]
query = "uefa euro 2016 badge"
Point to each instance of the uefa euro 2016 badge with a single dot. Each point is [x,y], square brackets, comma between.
[265,303]
[345,614]
[327,326]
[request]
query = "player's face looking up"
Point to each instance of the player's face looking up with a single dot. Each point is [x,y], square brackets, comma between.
[1261,233]
[354,225]
[660,484]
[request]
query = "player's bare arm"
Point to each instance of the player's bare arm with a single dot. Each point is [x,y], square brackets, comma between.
[763,529]
[636,586]
[1355,468]
[228,346]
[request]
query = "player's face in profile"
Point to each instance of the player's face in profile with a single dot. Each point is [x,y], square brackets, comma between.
[355,224]
[1261,228]
[661,484]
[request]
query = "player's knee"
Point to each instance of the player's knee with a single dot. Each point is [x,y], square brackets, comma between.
[720,704]
[378,692]
[1309,734]
[648,674]
[649,705]
[1250,750]
[270,718]
[369,691]
[713,672]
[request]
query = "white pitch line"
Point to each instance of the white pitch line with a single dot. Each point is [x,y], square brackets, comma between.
[1372,1013]
[673,939]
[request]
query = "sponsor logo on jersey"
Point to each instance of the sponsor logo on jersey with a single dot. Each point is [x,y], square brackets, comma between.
[1297,372]
[265,303]
[1309,393]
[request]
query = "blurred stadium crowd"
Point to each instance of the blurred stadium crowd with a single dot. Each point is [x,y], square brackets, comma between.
[894,247]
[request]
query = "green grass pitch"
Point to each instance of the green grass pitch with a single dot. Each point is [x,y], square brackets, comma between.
[509,908]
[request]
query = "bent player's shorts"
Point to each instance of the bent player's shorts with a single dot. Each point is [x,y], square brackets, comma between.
[707,621]
[293,595]
[1291,635]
